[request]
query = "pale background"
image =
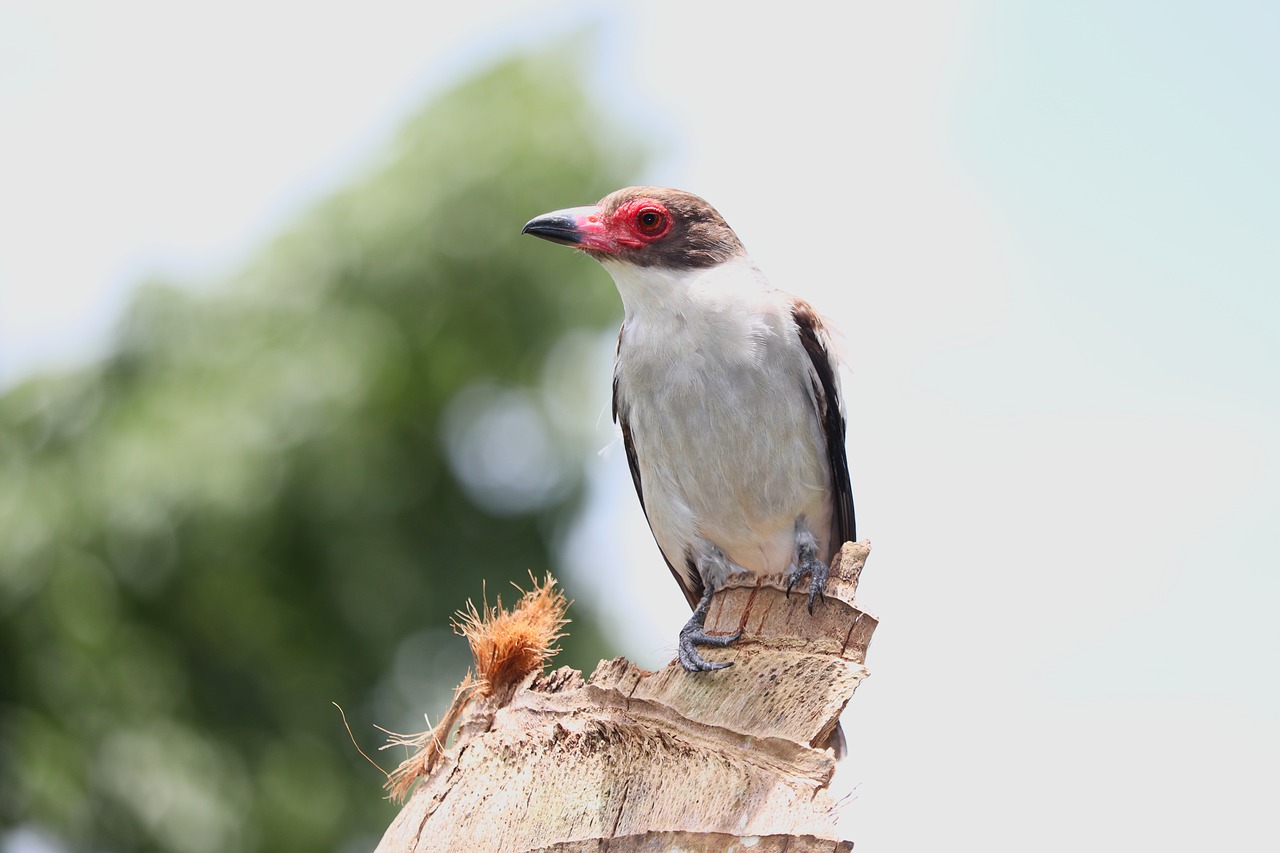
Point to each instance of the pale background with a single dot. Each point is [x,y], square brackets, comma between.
[1049,234]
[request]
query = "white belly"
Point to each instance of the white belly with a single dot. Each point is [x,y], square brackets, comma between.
[728,444]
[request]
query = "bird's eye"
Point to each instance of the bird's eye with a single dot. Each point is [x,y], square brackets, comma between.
[650,220]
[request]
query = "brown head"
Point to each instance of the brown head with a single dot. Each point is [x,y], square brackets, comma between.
[645,226]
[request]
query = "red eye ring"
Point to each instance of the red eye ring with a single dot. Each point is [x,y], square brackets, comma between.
[650,221]
[640,221]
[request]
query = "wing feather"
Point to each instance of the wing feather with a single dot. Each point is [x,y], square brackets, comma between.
[826,394]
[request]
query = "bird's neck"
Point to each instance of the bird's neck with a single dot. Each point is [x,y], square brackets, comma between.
[701,319]
[658,295]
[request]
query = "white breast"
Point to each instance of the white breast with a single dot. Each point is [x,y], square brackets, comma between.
[715,385]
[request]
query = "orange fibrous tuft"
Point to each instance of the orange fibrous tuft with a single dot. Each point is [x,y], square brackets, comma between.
[506,646]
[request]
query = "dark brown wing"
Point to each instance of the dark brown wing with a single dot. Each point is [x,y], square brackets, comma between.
[826,393]
[691,585]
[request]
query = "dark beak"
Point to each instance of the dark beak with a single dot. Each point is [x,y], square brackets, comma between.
[571,227]
[558,227]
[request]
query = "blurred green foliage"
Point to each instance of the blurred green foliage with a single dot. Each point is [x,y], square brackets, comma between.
[276,491]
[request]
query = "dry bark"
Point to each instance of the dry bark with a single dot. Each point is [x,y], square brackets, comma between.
[631,760]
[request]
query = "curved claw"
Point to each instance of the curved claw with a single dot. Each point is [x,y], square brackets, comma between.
[816,588]
[694,662]
[818,572]
[692,634]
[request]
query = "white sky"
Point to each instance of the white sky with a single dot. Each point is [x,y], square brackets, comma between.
[1048,232]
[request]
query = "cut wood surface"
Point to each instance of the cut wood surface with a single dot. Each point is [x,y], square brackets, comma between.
[632,760]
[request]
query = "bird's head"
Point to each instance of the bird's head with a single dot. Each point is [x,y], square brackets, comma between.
[644,226]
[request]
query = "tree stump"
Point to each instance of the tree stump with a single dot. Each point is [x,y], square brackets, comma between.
[632,760]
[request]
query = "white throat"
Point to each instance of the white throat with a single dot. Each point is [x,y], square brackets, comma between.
[651,293]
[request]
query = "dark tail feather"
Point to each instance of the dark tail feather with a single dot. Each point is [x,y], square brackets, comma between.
[836,742]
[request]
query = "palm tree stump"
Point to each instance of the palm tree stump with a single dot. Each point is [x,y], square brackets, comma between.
[632,760]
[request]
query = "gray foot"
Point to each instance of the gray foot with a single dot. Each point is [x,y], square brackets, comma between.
[807,563]
[692,635]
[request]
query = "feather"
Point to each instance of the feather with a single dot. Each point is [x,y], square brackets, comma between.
[830,413]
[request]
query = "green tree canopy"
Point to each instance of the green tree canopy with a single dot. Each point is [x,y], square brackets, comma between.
[276,490]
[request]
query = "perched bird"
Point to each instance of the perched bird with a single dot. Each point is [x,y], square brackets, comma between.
[728,397]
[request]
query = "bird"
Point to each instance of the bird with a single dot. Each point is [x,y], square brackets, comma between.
[727,394]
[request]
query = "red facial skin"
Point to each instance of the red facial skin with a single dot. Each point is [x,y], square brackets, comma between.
[634,225]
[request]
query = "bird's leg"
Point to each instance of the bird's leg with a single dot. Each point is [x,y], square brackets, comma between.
[692,634]
[807,563]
